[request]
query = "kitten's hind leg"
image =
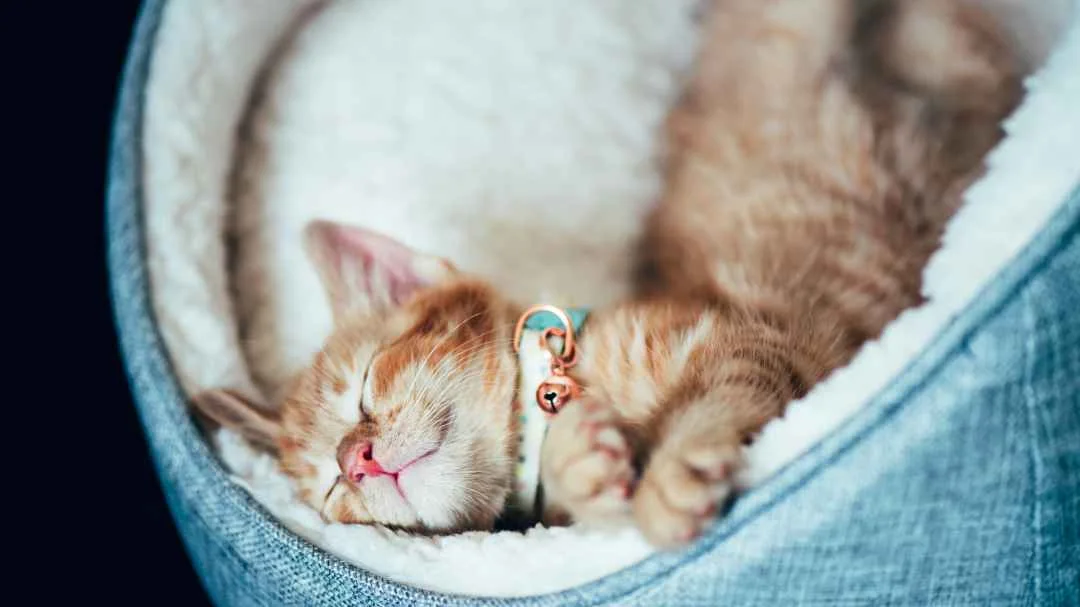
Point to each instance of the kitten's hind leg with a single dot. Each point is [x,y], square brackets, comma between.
[949,50]
[944,73]
[759,63]
[762,51]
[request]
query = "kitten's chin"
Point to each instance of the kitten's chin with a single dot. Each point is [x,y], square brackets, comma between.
[446,497]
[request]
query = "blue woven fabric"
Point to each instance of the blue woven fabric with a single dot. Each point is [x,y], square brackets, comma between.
[959,484]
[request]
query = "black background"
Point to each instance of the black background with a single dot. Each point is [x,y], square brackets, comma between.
[95,489]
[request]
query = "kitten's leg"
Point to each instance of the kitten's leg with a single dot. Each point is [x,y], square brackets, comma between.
[950,51]
[586,466]
[760,54]
[683,384]
[689,474]
[944,75]
[758,80]
[742,377]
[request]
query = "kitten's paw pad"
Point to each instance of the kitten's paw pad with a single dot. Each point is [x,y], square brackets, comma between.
[681,492]
[587,466]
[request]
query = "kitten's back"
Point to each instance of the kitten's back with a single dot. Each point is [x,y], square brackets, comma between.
[826,202]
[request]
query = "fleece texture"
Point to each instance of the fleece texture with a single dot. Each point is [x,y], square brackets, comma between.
[388,115]
[517,139]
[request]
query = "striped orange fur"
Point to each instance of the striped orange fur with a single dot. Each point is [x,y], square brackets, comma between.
[812,164]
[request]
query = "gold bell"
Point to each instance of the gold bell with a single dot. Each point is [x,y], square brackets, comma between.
[557,390]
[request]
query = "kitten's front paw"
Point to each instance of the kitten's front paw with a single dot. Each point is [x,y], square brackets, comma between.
[682,487]
[586,464]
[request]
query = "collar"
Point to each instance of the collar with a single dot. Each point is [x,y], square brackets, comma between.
[545,343]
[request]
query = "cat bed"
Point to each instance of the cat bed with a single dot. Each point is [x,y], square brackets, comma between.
[939,466]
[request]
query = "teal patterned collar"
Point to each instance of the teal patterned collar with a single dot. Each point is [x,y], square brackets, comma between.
[537,359]
[545,320]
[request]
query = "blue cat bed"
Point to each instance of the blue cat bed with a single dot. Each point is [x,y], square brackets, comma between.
[941,467]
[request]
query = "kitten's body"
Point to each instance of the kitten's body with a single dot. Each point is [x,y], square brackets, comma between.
[814,162]
[815,159]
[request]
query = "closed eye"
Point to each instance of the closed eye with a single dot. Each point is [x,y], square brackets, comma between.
[364,414]
[326,498]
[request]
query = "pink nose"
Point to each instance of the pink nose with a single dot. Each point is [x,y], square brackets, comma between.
[360,462]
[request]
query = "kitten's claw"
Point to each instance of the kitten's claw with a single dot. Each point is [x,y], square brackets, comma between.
[681,490]
[586,465]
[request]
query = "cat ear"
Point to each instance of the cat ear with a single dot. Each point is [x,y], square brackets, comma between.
[362,270]
[237,413]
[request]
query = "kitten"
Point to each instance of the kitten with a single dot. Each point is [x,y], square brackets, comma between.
[814,160]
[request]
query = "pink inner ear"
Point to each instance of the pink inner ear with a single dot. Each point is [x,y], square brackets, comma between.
[365,264]
[379,257]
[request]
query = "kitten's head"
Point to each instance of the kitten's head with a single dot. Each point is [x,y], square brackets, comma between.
[405,417]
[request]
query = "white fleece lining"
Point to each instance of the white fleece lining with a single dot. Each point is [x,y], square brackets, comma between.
[207,55]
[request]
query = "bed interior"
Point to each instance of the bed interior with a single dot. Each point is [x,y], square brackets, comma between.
[209,56]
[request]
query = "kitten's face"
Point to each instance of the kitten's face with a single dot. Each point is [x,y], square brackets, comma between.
[405,416]
[404,419]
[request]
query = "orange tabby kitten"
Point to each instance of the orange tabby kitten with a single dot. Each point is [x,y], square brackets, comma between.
[815,158]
